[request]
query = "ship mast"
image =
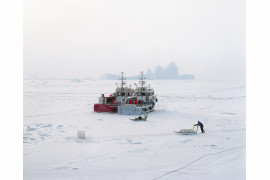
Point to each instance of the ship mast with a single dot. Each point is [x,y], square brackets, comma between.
[122,81]
[142,82]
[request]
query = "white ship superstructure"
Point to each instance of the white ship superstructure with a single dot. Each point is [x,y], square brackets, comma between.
[128,101]
[142,101]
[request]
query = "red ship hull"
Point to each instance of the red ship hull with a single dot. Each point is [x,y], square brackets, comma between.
[105,108]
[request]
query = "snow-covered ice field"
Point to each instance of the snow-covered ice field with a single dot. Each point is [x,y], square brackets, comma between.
[117,148]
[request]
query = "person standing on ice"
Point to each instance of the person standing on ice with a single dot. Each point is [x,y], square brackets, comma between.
[201,126]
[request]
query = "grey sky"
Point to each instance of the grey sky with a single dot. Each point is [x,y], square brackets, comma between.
[86,38]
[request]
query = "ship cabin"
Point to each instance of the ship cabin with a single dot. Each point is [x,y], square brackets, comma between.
[123,91]
[117,96]
[145,95]
[106,100]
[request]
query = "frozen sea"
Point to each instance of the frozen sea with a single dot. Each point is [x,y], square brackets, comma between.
[117,148]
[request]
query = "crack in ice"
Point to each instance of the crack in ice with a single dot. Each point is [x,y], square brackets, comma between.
[170,172]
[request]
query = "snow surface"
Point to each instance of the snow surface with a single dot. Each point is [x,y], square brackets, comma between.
[118,148]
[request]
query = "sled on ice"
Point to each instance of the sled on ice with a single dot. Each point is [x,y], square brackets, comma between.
[187,131]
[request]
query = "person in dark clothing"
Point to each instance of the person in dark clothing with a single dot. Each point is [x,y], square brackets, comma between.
[201,126]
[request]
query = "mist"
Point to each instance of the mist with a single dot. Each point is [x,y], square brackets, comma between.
[84,39]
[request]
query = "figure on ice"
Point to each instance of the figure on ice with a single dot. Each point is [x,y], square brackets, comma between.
[140,118]
[201,126]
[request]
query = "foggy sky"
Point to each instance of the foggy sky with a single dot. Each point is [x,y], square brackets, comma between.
[87,38]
